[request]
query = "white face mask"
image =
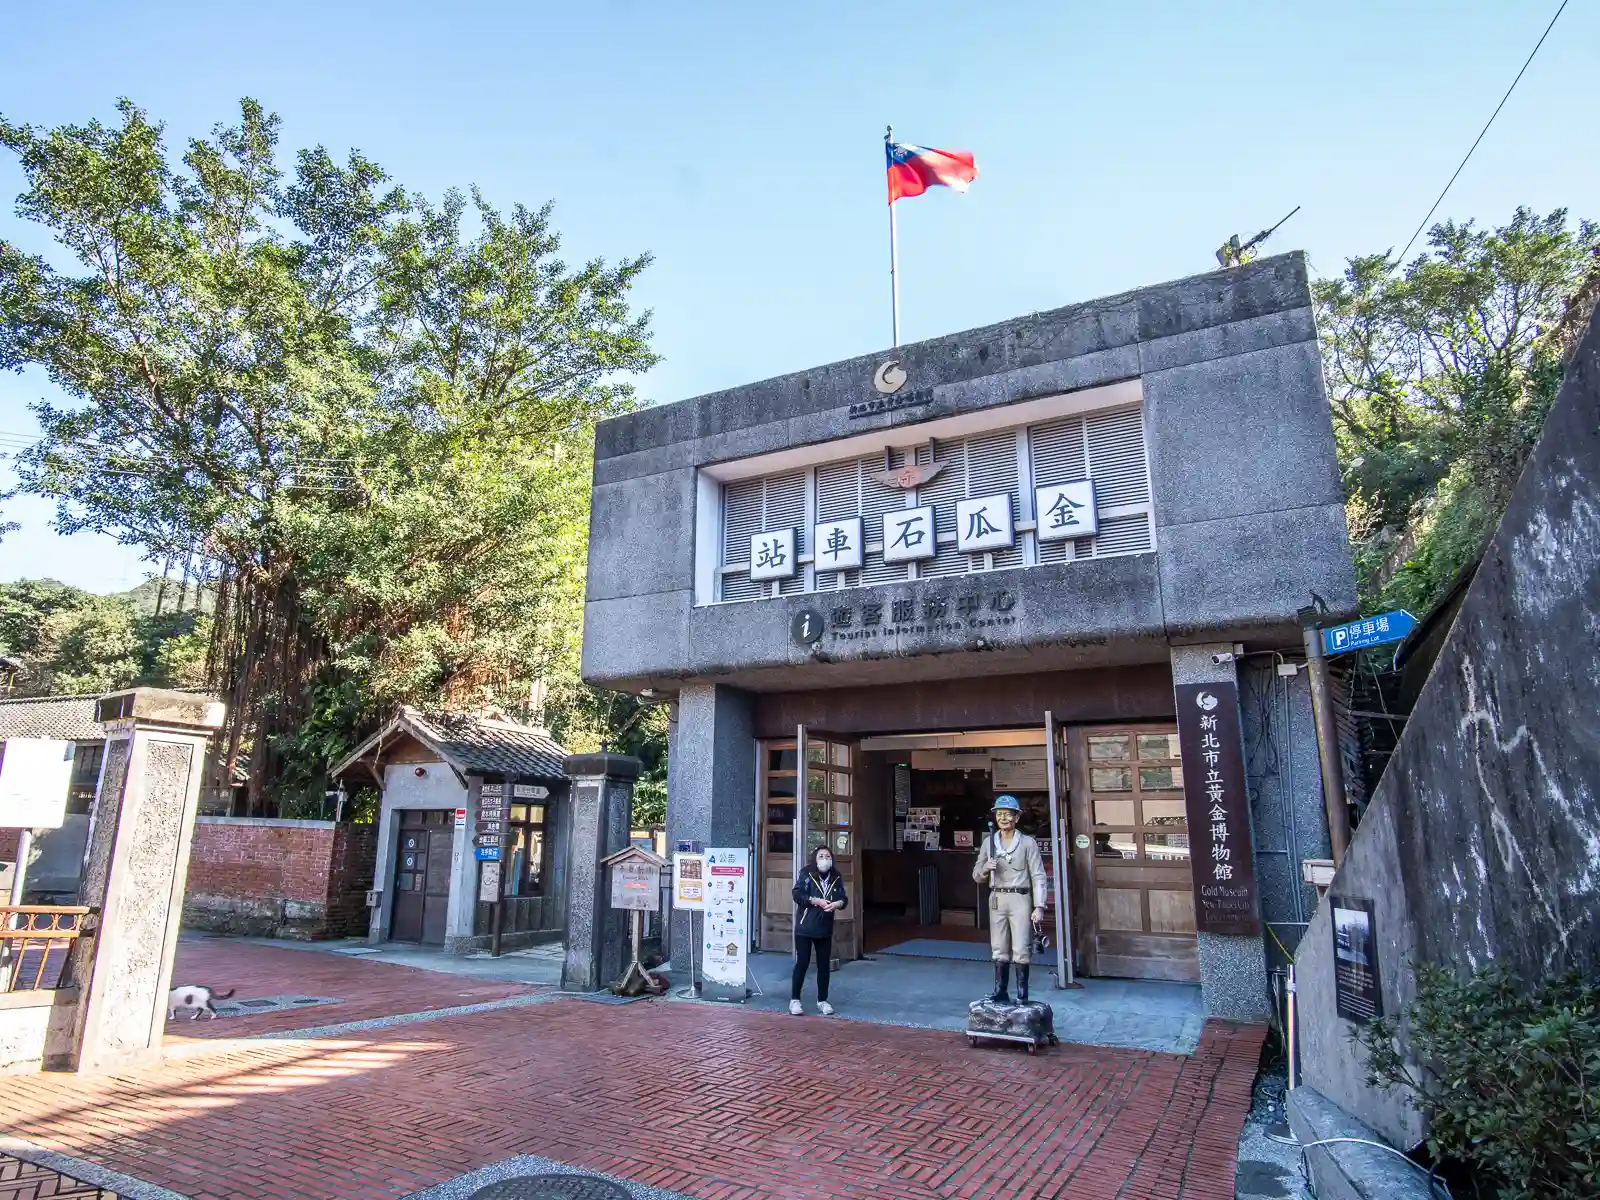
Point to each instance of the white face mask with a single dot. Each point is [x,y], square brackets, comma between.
[824,864]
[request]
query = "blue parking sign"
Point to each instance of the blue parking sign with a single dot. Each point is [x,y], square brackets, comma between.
[1368,631]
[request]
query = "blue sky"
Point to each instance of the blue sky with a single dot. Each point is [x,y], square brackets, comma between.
[741,144]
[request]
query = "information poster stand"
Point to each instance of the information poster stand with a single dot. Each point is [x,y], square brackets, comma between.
[726,940]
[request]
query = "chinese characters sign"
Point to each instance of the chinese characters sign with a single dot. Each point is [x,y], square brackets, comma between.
[839,545]
[962,612]
[1065,510]
[908,535]
[772,555]
[494,809]
[984,524]
[1369,631]
[1218,808]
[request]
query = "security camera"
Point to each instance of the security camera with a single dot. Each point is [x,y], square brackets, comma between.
[1221,657]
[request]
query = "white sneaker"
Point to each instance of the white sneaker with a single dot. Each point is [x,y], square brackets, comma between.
[825,1008]
[795,1010]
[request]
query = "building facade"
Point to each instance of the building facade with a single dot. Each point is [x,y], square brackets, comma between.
[1060,557]
[437,773]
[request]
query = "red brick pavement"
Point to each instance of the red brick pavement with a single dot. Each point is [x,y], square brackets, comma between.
[363,988]
[715,1103]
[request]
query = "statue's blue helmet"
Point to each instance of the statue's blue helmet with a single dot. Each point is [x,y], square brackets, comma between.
[1007,802]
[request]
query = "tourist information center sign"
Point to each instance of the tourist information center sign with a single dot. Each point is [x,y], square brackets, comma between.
[1218,807]
[727,930]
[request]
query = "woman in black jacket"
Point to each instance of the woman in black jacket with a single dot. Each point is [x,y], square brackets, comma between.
[818,894]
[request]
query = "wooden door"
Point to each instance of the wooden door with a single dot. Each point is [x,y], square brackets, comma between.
[422,877]
[1137,918]
[790,830]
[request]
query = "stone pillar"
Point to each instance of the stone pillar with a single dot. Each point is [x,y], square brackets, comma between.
[1233,969]
[711,791]
[135,871]
[602,804]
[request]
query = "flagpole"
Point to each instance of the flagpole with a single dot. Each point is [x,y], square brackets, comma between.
[894,254]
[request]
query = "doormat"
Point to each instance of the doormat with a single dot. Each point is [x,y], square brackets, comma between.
[933,948]
[604,997]
[527,1177]
[258,1004]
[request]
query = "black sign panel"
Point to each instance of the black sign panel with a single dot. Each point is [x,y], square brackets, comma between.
[1218,808]
[1358,994]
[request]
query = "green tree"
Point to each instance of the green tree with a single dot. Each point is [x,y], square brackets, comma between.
[370,414]
[1440,377]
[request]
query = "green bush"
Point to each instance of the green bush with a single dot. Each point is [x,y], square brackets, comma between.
[1506,1073]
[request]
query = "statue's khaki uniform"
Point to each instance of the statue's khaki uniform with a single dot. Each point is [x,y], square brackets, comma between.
[1016,887]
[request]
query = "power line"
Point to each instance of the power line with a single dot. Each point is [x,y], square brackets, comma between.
[1483,131]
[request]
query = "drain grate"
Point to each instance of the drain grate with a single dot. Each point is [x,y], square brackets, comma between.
[259,1004]
[551,1187]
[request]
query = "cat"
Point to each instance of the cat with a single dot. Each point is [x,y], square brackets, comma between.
[195,997]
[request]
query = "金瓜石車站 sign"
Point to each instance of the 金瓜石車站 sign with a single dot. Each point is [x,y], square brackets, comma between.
[1217,805]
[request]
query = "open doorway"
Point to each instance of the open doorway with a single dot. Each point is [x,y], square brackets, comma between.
[925,813]
[905,816]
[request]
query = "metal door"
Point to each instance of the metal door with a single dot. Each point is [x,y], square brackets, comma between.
[1137,914]
[422,877]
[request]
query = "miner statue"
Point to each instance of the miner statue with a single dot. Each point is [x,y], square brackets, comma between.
[1010,863]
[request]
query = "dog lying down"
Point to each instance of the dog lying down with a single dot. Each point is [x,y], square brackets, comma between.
[197,999]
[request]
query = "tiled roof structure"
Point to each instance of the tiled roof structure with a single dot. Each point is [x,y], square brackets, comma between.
[68,718]
[472,745]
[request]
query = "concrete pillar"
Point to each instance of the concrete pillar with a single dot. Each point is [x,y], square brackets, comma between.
[602,803]
[1233,968]
[135,870]
[711,789]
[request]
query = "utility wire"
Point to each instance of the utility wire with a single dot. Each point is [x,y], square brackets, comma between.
[1485,130]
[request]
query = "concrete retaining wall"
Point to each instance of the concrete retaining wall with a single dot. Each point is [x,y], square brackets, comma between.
[1482,842]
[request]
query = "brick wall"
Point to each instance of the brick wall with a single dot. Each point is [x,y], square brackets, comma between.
[8,844]
[279,878]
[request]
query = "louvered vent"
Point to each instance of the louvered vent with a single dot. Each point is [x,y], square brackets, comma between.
[992,468]
[947,487]
[1108,447]
[838,496]
[875,501]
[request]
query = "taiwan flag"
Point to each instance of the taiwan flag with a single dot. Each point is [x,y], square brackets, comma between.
[915,169]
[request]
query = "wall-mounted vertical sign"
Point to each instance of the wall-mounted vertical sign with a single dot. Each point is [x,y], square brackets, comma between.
[1357,991]
[727,929]
[494,809]
[1218,807]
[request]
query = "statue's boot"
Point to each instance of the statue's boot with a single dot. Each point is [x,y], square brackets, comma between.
[1022,983]
[1002,984]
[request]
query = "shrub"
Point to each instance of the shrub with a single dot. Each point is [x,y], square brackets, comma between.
[1506,1073]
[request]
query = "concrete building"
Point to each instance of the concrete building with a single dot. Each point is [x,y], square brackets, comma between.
[52,877]
[433,769]
[1061,557]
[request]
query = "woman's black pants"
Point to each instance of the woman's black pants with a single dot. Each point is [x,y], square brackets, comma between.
[802,959]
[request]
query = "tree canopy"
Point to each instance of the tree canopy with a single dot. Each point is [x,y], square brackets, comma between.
[370,414]
[1440,375]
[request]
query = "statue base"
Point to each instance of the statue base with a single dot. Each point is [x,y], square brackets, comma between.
[1032,1024]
